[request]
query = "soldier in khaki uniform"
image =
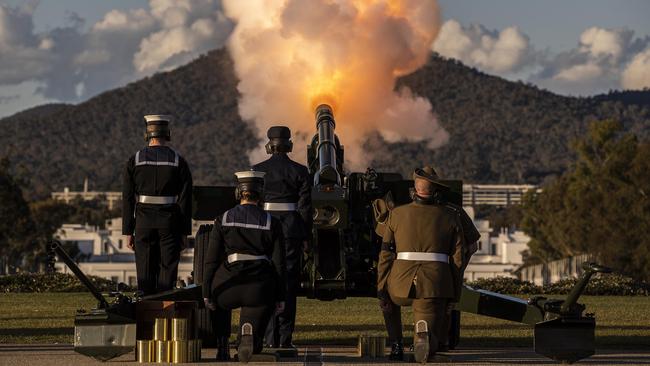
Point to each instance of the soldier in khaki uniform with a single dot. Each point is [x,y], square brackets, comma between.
[392,313]
[421,261]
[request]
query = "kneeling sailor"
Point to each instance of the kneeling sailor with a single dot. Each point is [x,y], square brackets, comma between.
[245,266]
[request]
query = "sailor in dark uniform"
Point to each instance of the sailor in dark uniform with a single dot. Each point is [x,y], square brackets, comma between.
[287,196]
[157,206]
[245,266]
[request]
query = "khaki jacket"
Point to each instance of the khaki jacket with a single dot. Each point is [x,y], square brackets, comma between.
[426,228]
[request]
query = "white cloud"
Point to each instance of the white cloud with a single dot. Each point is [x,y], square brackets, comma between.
[4,99]
[92,57]
[603,59]
[117,20]
[73,62]
[579,72]
[166,44]
[70,63]
[20,97]
[505,51]
[24,56]
[637,74]
[597,64]
[600,42]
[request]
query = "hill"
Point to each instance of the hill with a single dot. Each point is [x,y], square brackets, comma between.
[508,132]
[61,147]
[501,131]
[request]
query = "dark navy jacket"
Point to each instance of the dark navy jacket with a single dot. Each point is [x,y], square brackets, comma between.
[288,182]
[157,171]
[244,229]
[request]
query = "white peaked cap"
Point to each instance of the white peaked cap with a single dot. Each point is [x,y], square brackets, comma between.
[158,117]
[250,174]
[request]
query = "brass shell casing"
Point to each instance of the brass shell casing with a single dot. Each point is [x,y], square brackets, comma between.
[180,351]
[191,352]
[161,329]
[380,346]
[371,346]
[145,351]
[179,329]
[194,351]
[163,351]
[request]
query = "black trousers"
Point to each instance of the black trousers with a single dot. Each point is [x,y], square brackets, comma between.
[393,321]
[279,333]
[257,303]
[157,253]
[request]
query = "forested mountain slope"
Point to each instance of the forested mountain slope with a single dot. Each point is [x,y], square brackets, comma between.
[501,131]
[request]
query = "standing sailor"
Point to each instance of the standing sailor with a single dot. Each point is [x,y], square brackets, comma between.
[287,196]
[421,261]
[245,267]
[157,207]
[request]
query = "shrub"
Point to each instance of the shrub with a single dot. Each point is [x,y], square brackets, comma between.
[51,282]
[599,285]
[506,285]
[613,284]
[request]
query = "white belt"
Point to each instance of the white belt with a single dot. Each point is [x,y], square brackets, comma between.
[157,200]
[278,206]
[421,256]
[236,257]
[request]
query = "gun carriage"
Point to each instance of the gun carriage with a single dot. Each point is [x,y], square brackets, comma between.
[109,330]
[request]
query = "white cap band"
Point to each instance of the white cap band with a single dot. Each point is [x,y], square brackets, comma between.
[158,117]
[250,174]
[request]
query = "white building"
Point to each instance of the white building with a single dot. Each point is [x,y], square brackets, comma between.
[473,194]
[496,255]
[111,197]
[495,194]
[105,253]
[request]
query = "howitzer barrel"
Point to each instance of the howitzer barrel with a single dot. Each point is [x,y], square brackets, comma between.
[327,171]
[63,255]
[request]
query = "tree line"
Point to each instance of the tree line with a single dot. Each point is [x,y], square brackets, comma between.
[600,205]
[27,227]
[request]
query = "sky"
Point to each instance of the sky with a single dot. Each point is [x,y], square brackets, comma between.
[71,50]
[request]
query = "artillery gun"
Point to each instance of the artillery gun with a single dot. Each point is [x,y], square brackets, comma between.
[342,261]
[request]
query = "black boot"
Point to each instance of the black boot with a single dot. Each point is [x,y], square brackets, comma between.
[396,351]
[223,349]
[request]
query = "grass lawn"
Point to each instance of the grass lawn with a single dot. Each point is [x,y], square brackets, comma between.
[622,322]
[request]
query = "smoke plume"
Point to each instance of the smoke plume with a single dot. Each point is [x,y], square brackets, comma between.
[292,55]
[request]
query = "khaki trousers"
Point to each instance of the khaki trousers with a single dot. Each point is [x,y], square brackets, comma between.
[432,310]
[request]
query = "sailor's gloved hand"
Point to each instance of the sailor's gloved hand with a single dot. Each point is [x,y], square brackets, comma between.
[279,307]
[209,304]
[130,242]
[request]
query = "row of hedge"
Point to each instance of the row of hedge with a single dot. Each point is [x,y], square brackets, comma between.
[600,285]
[51,282]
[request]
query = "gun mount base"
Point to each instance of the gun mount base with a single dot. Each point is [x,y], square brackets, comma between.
[565,340]
[104,342]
